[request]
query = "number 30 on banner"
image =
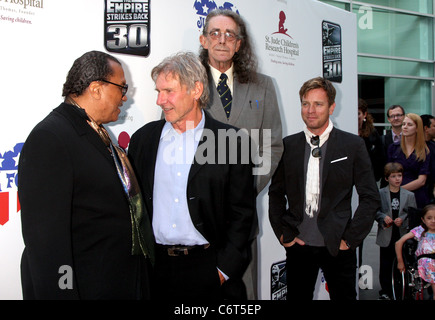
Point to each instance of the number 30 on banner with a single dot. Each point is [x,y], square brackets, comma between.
[132,36]
[332,69]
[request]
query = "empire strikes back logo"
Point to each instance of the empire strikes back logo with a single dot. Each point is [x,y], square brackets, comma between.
[127,26]
[9,183]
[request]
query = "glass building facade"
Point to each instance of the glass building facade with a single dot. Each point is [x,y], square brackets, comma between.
[395,54]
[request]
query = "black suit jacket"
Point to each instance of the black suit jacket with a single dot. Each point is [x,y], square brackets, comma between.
[74,213]
[386,140]
[220,196]
[346,165]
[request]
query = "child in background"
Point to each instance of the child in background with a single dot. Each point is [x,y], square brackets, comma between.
[392,223]
[425,235]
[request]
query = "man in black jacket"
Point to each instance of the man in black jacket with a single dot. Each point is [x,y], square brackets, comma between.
[310,199]
[82,240]
[196,185]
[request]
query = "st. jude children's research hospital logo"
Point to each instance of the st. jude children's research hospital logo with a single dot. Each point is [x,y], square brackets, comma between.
[282,48]
[9,183]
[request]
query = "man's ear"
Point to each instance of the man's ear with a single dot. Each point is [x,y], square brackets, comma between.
[199,88]
[95,89]
[203,41]
[331,109]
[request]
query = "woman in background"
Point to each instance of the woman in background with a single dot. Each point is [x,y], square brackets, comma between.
[413,154]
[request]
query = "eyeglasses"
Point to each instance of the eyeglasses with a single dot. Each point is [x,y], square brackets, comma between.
[316,152]
[396,116]
[124,88]
[229,36]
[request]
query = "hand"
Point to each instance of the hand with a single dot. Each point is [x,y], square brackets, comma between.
[343,245]
[401,266]
[387,221]
[289,244]
[398,222]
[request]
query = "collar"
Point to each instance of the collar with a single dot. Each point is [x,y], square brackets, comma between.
[323,137]
[216,75]
[77,108]
[393,135]
[168,130]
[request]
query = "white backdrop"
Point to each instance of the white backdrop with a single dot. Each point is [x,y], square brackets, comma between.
[40,43]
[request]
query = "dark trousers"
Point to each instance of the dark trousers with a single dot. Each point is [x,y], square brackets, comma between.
[386,258]
[303,263]
[186,277]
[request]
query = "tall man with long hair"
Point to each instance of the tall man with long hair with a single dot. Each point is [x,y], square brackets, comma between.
[248,101]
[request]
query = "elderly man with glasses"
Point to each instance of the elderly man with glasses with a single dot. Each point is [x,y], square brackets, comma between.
[244,98]
[395,116]
[310,199]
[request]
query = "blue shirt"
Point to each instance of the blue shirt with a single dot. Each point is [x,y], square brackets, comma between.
[172,224]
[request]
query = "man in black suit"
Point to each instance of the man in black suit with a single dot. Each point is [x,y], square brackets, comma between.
[196,184]
[395,116]
[84,236]
[310,199]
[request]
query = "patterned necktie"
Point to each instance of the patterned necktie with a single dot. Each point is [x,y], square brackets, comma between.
[225,94]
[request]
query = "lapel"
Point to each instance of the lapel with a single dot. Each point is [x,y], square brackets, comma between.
[330,153]
[208,125]
[299,161]
[240,95]
[402,200]
[78,121]
[386,192]
[150,161]
[214,106]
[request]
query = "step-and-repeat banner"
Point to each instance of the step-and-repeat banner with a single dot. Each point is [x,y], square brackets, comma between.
[294,40]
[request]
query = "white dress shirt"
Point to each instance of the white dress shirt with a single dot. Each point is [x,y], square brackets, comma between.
[216,74]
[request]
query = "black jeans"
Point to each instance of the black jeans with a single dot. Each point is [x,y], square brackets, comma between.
[303,263]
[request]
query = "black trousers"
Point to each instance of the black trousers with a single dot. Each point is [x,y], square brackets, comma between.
[386,259]
[302,268]
[186,277]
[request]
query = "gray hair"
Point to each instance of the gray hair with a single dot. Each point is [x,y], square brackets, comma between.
[244,61]
[189,70]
